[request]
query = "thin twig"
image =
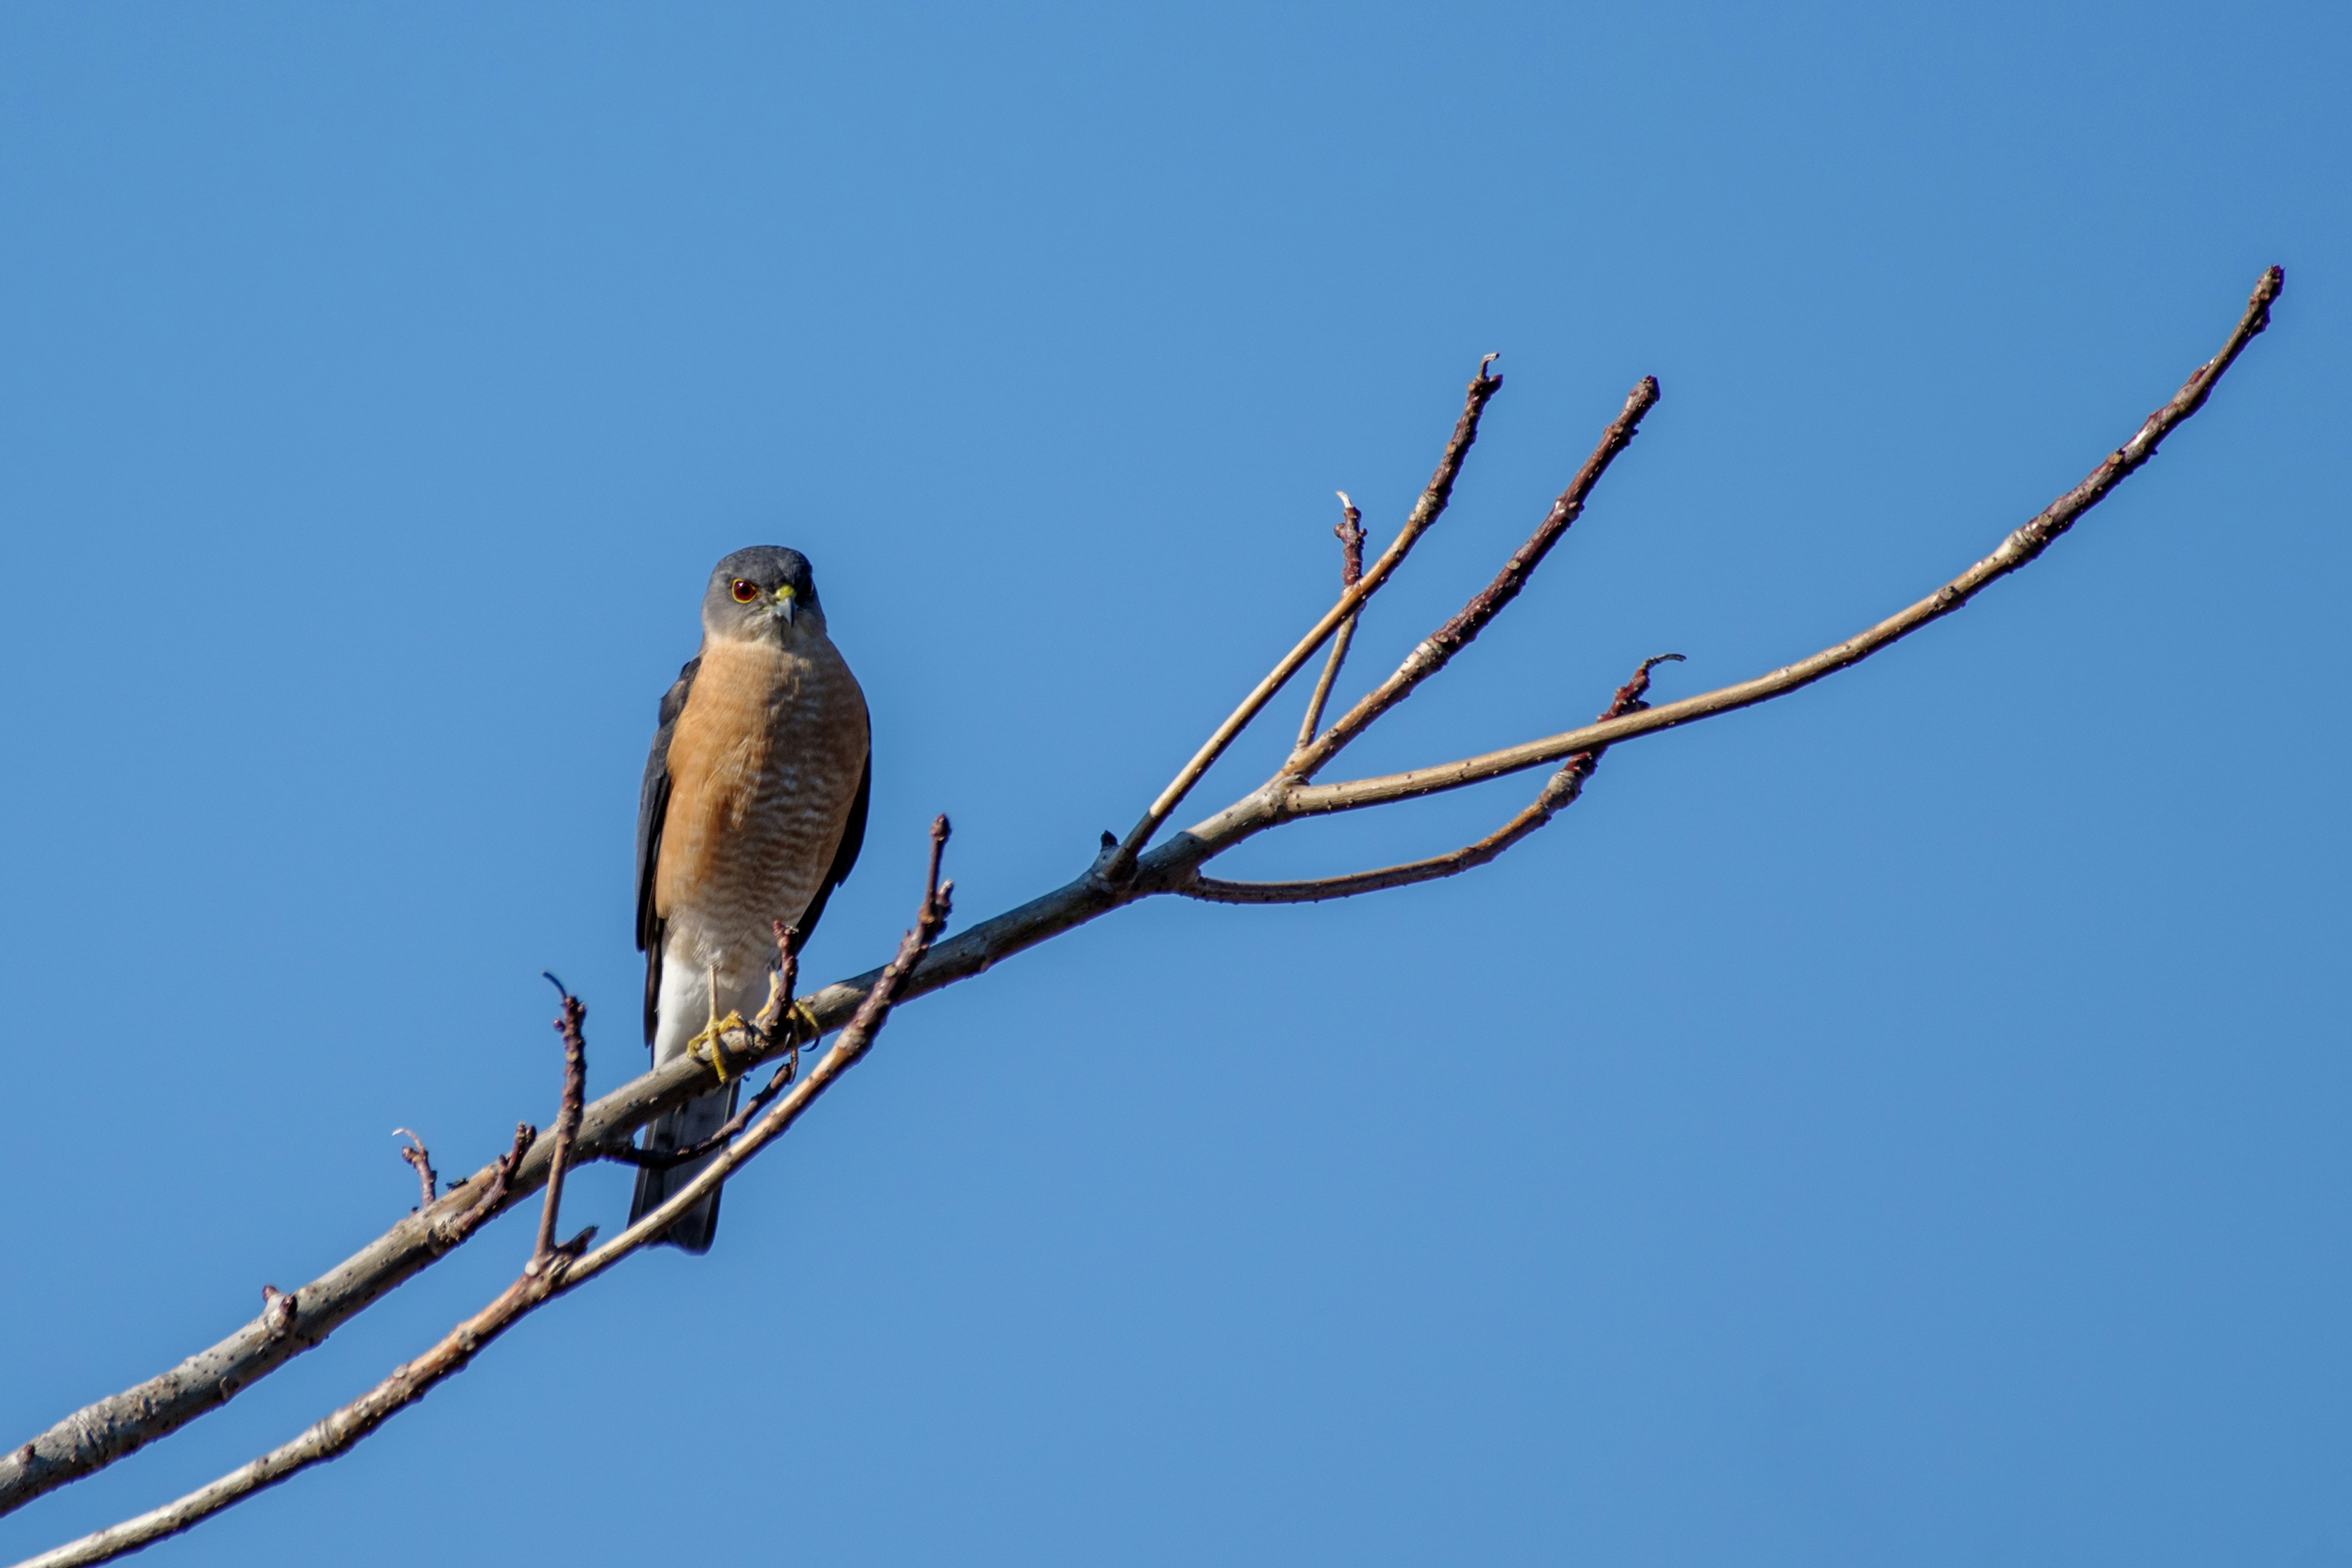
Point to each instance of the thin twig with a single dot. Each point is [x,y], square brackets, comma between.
[454,1229]
[1425,511]
[567,1120]
[2021,547]
[1442,645]
[552,1271]
[778,1009]
[1559,791]
[416,1154]
[1350,529]
[122,1422]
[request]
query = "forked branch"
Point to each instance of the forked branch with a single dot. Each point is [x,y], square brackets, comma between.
[555,1269]
[1425,511]
[1350,530]
[1559,791]
[1124,873]
[2021,547]
[1434,653]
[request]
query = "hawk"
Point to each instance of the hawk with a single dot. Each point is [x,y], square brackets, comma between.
[752,811]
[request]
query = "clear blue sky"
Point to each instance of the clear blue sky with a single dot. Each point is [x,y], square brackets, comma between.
[1903,1124]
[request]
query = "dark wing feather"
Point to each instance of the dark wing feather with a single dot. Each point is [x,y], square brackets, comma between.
[653,807]
[853,839]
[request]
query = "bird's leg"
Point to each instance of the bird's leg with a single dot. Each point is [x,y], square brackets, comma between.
[716,1027]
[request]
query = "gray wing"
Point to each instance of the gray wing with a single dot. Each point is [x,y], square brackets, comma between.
[653,807]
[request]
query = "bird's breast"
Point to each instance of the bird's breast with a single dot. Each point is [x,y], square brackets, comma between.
[765,763]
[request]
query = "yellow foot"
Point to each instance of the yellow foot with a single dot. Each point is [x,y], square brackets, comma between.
[709,1036]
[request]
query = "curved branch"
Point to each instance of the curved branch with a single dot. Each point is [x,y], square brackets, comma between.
[2016,551]
[1456,635]
[1425,511]
[107,1430]
[1561,791]
[552,1271]
[1350,529]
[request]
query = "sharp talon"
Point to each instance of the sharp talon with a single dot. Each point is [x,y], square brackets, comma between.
[815,1029]
[711,1037]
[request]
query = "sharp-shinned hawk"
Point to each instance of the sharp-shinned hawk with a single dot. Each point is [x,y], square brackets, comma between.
[752,811]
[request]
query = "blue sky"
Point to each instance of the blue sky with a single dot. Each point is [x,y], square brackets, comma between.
[1901,1124]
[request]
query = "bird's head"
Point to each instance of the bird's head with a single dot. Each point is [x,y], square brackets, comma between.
[763,594]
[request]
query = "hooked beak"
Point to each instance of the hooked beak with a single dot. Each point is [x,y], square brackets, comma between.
[785,606]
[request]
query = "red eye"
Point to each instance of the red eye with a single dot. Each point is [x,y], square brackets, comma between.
[745,591]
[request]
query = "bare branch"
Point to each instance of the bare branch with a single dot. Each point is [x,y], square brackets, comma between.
[848,1048]
[567,1120]
[1560,791]
[2021,547]
[552,1271]
[416,1154]
[109,1428]
[1456,635]
[1350,529]
[1425,511]
[779,1008]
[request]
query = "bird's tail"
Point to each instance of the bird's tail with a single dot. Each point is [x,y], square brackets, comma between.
[682,1129]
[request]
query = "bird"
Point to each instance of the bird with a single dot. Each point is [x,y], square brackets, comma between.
[752,813]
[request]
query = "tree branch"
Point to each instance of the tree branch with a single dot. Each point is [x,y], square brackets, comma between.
[553,1270]
[1560,791]
[1456,635]
[1425,511]
[2021,547]
[567,1119]
[1350,529]
[100,1433]
[416,1154]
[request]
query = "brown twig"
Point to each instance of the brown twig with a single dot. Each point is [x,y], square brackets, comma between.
[1350,529]
[122,1422]
[1425,511]
[848,1047]
[1433,654]
[1559,791]
[414,1152]
[778,1009]
[502,1173]
[567,1120]
[2021,547]
[552,1271]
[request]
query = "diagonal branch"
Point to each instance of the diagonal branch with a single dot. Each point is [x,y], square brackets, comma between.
[1425,511]
[1559,791]
[108,1429]
[552,1271]
[2021,547]
[1456,635]
[1350,529]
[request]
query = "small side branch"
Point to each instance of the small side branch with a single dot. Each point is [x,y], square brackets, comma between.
[552,1271]
[1560,791]
[1350,529]
[428,1180]
[1456,633]
[567,1122]
[2019,547]
[779,1009]
[94,1437]
[1425,511]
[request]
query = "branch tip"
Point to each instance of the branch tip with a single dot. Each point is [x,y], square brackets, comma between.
[1434,652]
[124,1423]
[415,1154]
